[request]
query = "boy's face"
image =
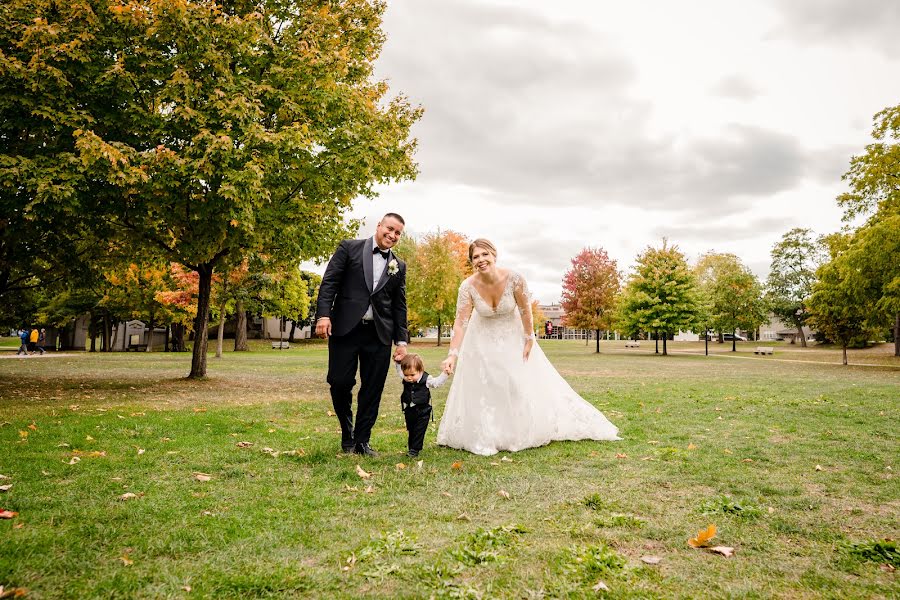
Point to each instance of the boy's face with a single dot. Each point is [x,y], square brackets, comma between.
[411,375]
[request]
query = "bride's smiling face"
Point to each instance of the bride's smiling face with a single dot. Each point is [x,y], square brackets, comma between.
[482,260]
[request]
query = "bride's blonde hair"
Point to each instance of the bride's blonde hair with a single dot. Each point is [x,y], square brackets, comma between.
[482,243]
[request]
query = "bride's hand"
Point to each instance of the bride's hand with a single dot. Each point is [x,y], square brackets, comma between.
[529,344]
[448,365]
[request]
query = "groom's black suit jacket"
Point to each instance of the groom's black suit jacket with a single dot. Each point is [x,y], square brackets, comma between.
[346,292]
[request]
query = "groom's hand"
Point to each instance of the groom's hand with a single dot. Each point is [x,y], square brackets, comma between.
[323,327]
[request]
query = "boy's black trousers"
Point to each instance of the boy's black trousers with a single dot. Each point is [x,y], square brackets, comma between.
[417,417]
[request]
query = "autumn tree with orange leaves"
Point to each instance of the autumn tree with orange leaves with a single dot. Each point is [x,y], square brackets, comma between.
[589,291]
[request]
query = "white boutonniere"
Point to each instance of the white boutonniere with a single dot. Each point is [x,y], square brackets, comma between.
[393,267]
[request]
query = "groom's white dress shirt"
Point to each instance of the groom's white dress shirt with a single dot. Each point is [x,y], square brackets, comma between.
[378,262]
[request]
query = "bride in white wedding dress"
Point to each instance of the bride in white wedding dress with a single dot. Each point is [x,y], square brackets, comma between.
[505,394]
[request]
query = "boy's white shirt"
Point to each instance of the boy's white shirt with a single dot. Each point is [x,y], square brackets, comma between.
[432,382]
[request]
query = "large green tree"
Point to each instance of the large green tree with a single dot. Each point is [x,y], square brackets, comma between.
[589,291]
[840,305]
[874,180]
[209,131]
[733,296]
[660,296]
[435,268]
[791,276]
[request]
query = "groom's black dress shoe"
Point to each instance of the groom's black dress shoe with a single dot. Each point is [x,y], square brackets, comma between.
[348,448]
[366,449]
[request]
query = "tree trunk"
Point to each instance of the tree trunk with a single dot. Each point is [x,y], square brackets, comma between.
[150,329]
[439,331]
[104,341]
[201,323]
[665,339]
[220,337]
[844,347]
[897,334]
[656,336]
[733,340]
[801,336]
[92,331]
[178,337]
[166,342]
[598,342]
[240,328]
[293,330]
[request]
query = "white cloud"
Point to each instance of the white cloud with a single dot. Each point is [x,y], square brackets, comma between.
[554,126]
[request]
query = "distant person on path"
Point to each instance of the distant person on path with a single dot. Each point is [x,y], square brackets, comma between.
[23,338]
[42,339]
[33,341]
[361,308]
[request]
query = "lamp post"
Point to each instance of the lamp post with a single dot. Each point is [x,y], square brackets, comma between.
[706,341]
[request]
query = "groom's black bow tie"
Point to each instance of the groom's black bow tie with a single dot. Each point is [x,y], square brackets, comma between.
[384,253]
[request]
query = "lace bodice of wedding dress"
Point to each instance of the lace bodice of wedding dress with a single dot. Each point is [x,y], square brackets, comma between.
[498,401]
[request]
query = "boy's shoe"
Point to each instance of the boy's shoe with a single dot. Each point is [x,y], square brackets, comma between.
[413,453]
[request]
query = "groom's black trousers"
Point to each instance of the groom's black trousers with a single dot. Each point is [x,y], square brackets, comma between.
[363,348]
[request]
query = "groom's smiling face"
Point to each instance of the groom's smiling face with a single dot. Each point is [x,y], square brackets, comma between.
[388,233]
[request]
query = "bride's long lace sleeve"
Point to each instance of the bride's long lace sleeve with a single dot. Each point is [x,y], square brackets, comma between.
[464,306]
[523,301]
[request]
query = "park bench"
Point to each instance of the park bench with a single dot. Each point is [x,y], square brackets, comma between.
[281,345]
[632,344]
[764,350]
[136,347]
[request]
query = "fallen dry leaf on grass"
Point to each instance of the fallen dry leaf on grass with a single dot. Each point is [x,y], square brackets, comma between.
[506,459]
[819,468]
[244,444]
[600,587]
[8,514]
[747,460]
[703,537]
[651,560]
[23,434]
[3,477]
[463,517]
[199,409]
[74,460]
[419,464]
[202,476]
[621,455]
[448,494]
[12,592]
[330,414]
[503,494]
[370,489]
[88,438]
[400,466]
[362,473]
[5,488]
[140,451]
[725,551]
[128,496]
[691,446]
[32,427]
[456,466]
[126,560]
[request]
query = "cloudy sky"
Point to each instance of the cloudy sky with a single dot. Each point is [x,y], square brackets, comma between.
[552,126]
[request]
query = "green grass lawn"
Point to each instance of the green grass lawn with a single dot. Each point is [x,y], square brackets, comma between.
[792,457]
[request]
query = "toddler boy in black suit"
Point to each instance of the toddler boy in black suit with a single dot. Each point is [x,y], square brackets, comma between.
[416,398]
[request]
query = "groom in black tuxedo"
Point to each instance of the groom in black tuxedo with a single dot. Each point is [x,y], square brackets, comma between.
[362,308]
